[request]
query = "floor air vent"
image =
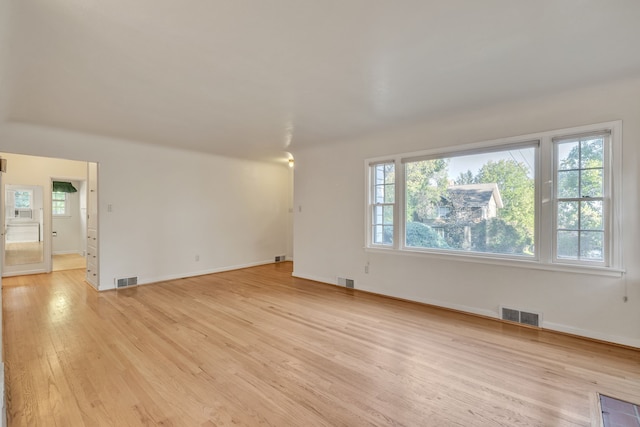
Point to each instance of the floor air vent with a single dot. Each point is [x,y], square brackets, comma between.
[524,317]
[128,281]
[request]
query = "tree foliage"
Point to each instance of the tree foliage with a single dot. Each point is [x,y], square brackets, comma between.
[511,232]
[422,236]
[426,183]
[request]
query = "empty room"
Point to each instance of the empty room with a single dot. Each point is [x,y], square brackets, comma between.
[331,213]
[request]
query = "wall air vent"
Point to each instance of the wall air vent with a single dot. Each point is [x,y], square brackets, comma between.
[280,258]
[128,281]
[524,317]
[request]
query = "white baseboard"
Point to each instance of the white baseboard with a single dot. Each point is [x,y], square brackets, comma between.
[150,280]
[591,334]
[81,253]
[631,342]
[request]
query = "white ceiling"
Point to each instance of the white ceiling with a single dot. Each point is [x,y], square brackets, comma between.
[254,78]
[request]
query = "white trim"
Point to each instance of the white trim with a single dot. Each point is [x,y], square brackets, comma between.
[550,326]
[152,280]
[616,339]
[81,253]
[479,258]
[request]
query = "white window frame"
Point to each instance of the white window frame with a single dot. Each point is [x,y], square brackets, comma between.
[66,205]
[545,201]
[372,204]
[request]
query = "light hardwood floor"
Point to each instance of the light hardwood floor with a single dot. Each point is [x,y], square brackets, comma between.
[258,347]
[68,262]
[23,253]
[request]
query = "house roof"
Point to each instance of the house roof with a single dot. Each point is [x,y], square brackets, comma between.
[474,195]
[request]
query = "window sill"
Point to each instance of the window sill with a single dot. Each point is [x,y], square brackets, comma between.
[531,264]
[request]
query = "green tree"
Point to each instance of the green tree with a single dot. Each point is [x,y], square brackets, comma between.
[420,235]
[426,183]
[465,178]
[517,191]
[496,236]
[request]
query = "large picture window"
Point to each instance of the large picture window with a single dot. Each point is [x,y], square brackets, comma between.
[479,202]
[546,198]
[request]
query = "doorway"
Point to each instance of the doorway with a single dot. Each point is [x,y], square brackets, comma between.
[33,205]
[24,229]
[68,224]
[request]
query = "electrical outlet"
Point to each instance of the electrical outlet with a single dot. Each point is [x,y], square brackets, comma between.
[366,269]
[197,258]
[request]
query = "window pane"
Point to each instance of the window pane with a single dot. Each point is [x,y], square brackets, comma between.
[22,199]
[568,244]
[591,183]
[592,153]
[377,214]
[591,215]
[591,245]
[383,224]
[568,156]
[482,202]
[377,234]
[383,235]
[568,184]
[568,215]
[387,215]
[384,173]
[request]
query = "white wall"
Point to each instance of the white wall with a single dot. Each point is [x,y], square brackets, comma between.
[170,205]
[68,228]
[329,230]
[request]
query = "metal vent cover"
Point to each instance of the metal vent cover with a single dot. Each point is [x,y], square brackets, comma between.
[510,314]
[127,281]
[523,317]
[532,319]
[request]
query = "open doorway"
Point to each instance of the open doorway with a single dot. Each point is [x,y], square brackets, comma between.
[68,223]
[45,203]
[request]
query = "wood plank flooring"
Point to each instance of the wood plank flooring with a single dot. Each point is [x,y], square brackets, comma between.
[23,253]
[258,347]
[68,262]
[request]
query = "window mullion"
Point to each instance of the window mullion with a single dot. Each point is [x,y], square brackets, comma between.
[400,215]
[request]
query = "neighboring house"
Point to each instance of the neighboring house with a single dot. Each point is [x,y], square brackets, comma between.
[464,205]
[473,202]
